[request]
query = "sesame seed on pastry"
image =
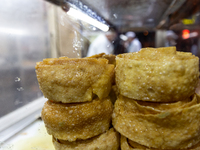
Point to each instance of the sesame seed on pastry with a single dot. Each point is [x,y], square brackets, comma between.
[157,74]
[70,80]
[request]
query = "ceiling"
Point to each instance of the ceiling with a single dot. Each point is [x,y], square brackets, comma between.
[134,14]
[137,15]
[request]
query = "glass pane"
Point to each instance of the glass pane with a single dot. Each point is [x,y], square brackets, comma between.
[24,41]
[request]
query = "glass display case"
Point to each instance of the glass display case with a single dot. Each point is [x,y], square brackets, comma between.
[31,31]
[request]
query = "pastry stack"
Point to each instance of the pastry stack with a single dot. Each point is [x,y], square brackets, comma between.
[157,107]
[79,110]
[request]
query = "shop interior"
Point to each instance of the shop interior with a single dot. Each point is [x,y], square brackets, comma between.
[31,31]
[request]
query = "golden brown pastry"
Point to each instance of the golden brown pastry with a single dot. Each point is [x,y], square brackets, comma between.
[109,57]
[159,125]
[78,120]
[127,144]
[157,75]
[113,94]
[106,141]
[70,80]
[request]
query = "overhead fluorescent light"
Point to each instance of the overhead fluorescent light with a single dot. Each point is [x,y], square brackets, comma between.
[81,16]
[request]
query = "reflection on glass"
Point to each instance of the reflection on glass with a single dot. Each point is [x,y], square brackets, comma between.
[24,41]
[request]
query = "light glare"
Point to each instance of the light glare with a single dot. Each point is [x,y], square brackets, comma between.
[12,31]
[81,16]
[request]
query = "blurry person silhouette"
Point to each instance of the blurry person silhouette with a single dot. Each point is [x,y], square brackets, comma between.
[170,38]
[102,44]
[194,49]
[119,47]
[132,44]
[194,46]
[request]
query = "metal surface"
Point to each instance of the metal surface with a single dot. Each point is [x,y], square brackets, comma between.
[17,120]
[128,14]
[134,14]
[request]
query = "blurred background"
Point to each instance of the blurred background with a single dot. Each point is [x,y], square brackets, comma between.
[33,30]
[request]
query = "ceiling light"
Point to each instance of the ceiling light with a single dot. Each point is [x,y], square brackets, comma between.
[81,16]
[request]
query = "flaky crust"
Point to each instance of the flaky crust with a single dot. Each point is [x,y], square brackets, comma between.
[109,57]
[70,80]
[79,120]
[158,75]
[127,144]
[105,141]
[158,125]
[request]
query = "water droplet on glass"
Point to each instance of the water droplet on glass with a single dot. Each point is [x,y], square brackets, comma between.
[76,43]
[115,15]
[89,12]
[17,102]
[94,28]
[80,5]
[85,7]
[17,79]
[62,20]
[93,13]
[20,89]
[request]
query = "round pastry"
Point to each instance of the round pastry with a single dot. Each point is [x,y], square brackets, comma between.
[159,125]
[78,120]
[127,144]
[157,75]
[104,141]
[70,80]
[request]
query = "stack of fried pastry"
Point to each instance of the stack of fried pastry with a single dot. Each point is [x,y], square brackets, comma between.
[78,111]
[157,107]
